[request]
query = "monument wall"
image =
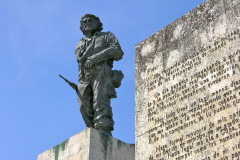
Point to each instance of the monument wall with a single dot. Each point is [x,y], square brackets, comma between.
[188,86]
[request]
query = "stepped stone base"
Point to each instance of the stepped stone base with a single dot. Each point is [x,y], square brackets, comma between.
[90,144]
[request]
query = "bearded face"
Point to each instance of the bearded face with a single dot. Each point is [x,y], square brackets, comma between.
[89,25]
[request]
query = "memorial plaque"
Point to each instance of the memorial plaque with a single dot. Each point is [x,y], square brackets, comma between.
[188,86]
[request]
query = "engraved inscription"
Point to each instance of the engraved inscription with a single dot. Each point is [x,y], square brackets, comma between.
[197,95]
[188,87]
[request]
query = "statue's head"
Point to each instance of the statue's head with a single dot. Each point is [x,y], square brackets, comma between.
[90,23]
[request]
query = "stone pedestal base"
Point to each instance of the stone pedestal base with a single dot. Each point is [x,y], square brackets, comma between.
[90,144]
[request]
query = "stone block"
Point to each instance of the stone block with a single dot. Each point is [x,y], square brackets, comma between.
[188,86]
[90,144]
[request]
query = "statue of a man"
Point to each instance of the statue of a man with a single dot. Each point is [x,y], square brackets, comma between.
[95,54]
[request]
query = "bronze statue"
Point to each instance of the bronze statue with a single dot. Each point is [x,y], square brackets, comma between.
[95,55]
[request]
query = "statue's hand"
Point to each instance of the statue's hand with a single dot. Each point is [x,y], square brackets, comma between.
[88,64]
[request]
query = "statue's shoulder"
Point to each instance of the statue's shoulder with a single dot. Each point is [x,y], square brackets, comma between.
[107,34]
[80,44]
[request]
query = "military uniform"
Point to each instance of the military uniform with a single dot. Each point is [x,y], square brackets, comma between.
[97,84]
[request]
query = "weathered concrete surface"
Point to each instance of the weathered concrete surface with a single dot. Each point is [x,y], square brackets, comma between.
[90,144]
[188,86]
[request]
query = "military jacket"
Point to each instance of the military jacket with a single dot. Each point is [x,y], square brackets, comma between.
[102,49]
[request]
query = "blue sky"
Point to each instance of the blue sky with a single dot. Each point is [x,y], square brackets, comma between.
[37,41]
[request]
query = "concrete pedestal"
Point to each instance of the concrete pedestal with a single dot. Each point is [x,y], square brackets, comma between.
[90,144]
